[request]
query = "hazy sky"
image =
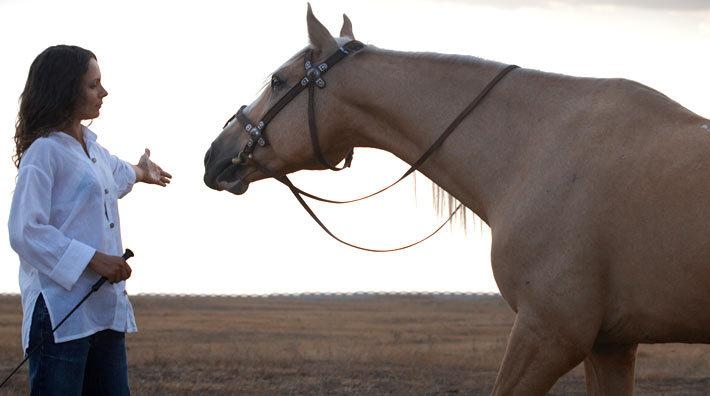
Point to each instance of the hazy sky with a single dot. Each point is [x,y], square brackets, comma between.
[175,70]
[655,4]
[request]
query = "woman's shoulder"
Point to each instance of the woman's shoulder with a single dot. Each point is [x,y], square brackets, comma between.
[42,151]
[43,144]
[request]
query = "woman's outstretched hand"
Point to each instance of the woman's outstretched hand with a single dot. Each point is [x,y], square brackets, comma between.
[149,172]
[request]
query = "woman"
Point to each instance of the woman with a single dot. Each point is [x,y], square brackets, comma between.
[65,228]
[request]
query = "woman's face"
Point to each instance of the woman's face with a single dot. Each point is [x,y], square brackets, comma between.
[92,93]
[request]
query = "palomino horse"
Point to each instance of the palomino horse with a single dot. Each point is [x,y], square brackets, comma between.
[594,190]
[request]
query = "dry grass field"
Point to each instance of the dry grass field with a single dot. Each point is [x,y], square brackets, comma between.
[367,345]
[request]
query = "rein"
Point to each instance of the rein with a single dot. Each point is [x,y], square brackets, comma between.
[454,124]
[312,79]
[298,194]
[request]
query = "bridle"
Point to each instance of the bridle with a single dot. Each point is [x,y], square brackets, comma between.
[314,78]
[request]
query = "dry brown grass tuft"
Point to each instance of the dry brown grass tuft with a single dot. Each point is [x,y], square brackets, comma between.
[400,345]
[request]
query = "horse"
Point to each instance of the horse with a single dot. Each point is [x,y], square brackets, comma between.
[593,189]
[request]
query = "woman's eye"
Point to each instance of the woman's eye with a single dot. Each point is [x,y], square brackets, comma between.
[276,81]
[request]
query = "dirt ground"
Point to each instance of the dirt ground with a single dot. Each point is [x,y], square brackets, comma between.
[332,345]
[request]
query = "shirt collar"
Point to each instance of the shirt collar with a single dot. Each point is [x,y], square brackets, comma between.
[89,136]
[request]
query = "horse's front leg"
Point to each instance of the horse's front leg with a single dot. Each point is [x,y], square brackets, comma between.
[559,300]
[538,353]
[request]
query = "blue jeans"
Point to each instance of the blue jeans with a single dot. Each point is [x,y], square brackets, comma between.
[93,365]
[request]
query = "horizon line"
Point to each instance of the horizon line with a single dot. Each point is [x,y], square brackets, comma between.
[309,294]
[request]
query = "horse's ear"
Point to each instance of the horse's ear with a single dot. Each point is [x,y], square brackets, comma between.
[320,36]
[347,29]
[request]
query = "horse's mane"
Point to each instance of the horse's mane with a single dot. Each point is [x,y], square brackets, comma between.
[445,203]
[436,56]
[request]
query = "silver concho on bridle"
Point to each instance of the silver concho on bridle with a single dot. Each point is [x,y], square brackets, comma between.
[313,74]
[256,135]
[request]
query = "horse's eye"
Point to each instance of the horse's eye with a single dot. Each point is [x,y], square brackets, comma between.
[276,81]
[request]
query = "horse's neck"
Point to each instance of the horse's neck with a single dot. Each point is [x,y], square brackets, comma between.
[533,130]
[407,100]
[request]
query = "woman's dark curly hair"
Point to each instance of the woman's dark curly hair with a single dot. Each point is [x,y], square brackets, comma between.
[51,94]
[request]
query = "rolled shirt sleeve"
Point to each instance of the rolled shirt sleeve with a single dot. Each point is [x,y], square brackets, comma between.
[123,174]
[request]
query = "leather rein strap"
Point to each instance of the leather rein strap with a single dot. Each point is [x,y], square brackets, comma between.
[298,193]
[454,124]
[320,83]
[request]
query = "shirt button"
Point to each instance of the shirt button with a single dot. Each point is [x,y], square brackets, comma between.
[105,190]
[93,160]
[125,293]
[111,225]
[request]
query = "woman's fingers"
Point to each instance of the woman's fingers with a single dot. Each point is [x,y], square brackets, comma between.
[117,275]
[114,268]
[161,177]
[154,174]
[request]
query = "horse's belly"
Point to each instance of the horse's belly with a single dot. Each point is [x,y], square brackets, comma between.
[665,310]
[642,329]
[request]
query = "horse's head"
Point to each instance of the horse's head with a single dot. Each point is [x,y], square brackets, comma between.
[273,135]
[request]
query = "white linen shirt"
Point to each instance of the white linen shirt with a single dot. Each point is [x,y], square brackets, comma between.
[64,209]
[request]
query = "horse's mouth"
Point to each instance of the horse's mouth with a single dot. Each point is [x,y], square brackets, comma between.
[232,179]
[237,187]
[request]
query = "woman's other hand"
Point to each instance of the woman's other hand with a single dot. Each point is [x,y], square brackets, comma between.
[149,172]
[113,268]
